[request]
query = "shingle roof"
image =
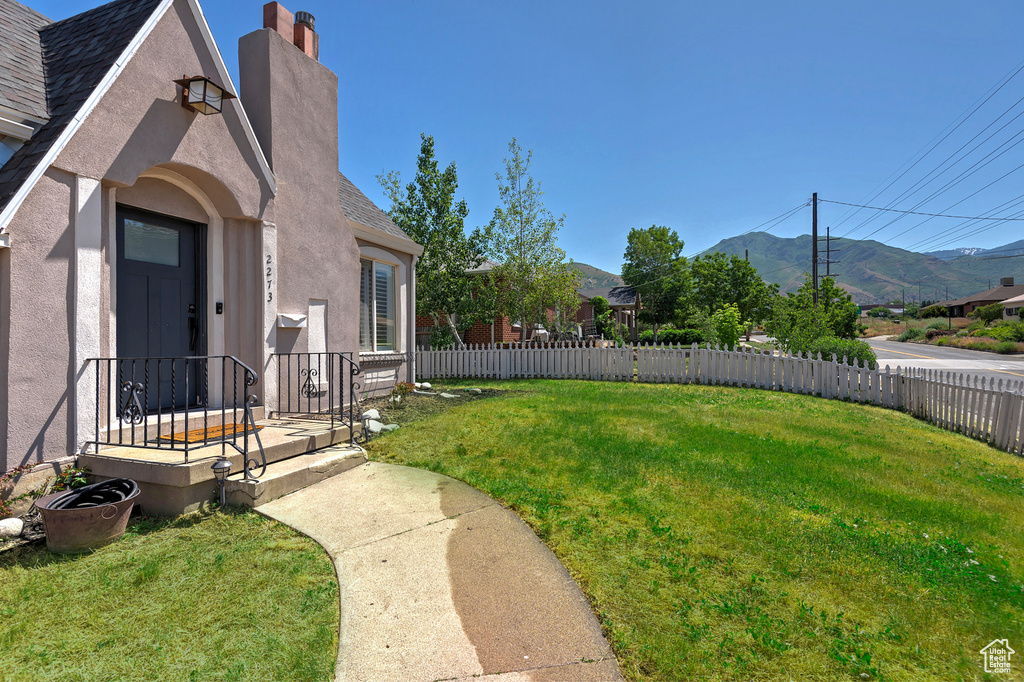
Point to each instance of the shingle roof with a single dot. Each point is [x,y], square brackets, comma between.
[621,295]
[360,209]
[76,54]
[21,62]
[1000,293]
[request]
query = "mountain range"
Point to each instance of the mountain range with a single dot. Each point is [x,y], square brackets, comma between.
[870,271]
[873,272]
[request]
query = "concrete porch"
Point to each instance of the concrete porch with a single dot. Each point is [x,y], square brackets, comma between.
[299,452]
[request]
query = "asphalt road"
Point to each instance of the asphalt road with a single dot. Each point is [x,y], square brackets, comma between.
[993,365]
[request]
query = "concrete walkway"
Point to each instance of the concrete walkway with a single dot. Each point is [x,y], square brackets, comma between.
[440,582]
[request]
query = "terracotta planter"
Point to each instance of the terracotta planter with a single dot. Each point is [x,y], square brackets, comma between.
[75,530]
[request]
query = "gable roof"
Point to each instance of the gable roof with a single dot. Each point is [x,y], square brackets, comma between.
[22,87]
[616,296]
[1000,293]
[360,209]
[80,59]
[75,55]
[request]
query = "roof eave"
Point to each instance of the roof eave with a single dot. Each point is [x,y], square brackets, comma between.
[382,238]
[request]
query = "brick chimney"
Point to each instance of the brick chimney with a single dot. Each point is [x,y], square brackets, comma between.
[296,28]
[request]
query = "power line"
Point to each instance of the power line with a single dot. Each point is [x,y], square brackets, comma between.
[777,220]
[983,100]
[933,215]
[961,227]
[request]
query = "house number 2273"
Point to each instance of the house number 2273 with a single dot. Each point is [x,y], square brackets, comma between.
[270,272]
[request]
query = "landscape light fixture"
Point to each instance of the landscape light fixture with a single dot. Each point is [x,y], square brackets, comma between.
[201,94]
[221,469]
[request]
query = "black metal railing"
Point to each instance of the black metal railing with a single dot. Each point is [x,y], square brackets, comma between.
[318,385]
[177,403]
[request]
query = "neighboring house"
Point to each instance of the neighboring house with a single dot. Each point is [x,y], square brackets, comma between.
[623,301]
[499,331]
[962,307]
[132,226]
[1012,307]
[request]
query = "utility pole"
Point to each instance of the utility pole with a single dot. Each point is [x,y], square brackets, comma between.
[828,253]
[746,255]
[949,313]
[903,313]
[814,246]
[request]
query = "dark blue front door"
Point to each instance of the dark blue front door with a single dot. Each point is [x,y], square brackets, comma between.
[158,306]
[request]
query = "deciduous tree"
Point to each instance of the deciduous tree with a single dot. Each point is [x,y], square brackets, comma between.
[426,209]
[532,273]
[796,323]
[719,280]
[653,264]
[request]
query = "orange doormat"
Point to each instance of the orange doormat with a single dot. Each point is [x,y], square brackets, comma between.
[216,433]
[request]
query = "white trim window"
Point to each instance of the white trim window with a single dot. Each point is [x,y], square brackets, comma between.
[378,314]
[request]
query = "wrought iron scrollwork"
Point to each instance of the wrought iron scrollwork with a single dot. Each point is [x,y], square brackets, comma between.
[309,388]
[132,411]
[251,463]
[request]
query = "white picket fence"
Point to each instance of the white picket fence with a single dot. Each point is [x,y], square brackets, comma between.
[984,409]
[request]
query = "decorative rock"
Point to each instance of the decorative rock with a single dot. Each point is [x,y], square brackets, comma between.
[417,385]
[418,392]
[475,391]
[11,528]
[449,395]
[390,427]
[371,414]
[373,426]
[425,385]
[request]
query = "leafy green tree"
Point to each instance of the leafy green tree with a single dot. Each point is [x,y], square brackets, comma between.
[655,267]
[602,314]
[532,273]
[728,325]
[796,323]
[988,313]
[934,311]
[879,312]
[719,280]
[427,211]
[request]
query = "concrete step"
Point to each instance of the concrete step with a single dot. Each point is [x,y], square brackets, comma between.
[295,473]
[171,486]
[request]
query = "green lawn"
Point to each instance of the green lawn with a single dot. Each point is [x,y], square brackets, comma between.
[209,596]
[739,534]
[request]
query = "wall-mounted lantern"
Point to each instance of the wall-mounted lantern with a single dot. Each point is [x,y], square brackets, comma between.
[201,94]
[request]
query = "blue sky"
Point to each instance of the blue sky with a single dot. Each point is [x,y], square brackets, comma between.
[710,118]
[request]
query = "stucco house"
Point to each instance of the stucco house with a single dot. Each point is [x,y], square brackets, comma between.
[151,209]
[1011,308]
